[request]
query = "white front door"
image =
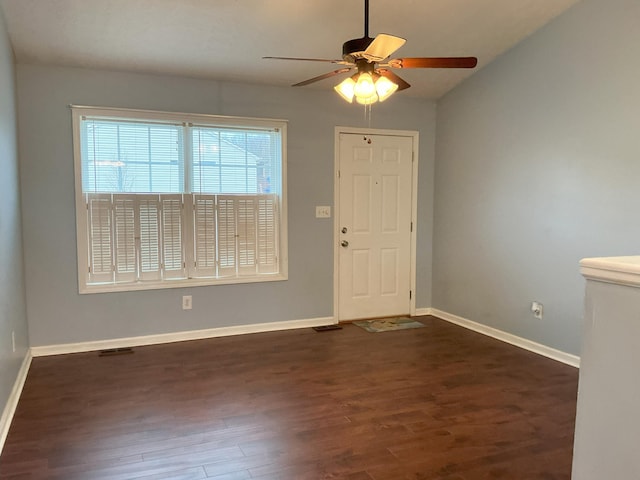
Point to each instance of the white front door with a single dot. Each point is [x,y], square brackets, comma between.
[374,221]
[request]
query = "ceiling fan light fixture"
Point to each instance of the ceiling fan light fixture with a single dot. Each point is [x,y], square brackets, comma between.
[346,89]
[385,88]
[365,87]
[374,79]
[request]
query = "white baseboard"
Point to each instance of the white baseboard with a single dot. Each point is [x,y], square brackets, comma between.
[538,348]
[177,336]
[12,402]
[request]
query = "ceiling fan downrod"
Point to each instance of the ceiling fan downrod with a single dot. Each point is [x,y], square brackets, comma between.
[352,48]
[366,18]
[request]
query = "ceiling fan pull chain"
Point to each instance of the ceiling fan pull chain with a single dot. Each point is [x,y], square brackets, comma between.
[367,118]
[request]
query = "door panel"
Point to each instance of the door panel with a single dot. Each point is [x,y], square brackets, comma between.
[390,204]
[389,271]
[361,273]
[361,204]
[375,209]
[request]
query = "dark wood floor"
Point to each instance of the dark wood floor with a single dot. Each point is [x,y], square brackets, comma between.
[439,402]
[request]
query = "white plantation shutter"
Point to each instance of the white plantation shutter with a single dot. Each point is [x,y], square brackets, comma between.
[149,226]
[226,222]
[267,238]
[124,214]
[235,233]
[135,237]
[171,197]
[205,234]
[173,260]
[100,238]
[246,234]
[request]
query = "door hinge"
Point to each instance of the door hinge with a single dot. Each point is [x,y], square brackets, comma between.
[410,293]
[411,230]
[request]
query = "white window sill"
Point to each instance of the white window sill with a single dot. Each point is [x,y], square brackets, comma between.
[181,283]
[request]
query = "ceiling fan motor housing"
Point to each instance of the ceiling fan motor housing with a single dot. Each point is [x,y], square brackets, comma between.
[352,50]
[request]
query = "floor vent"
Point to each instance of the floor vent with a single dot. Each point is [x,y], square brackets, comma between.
[326,328]
[115,351]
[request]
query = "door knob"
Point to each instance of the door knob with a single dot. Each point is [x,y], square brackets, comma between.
[344,229]
[344,243]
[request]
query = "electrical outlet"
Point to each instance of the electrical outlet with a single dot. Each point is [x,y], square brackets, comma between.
[323,212]
[187,302]
[537,309]
[13,341]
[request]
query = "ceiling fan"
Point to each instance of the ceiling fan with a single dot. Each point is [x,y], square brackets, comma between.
[374,79]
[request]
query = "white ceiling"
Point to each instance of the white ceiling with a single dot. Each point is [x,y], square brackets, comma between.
[225,39]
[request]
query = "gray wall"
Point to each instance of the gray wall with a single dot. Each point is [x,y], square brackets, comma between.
[12,302]
[538,161]
[58,314]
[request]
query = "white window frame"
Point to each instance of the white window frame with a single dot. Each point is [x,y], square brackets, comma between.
[84,285]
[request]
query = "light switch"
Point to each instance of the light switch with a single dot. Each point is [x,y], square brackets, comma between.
[323,212]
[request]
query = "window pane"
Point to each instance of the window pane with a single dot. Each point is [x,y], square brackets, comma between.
[234,161]
[132,157]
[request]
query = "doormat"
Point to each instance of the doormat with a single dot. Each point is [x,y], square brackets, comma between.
[388,324]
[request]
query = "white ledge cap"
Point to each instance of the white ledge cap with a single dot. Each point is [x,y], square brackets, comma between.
[620,270]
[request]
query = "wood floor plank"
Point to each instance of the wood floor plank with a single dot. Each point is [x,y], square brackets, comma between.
[439,402]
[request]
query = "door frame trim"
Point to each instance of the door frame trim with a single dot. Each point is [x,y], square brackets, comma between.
[414,135]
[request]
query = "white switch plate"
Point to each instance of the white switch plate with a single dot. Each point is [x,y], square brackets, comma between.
[323,212]
[187,303]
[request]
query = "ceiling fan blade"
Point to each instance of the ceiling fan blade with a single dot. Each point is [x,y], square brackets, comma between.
[394,78]
[321,77]
[437,62]
[340,62]
[382,46]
